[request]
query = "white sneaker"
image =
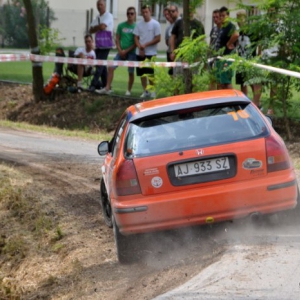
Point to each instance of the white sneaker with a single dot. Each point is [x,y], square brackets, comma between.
[103,91]
[153,95]
[127,93]
[145,94]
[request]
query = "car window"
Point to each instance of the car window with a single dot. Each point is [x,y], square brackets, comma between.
[116,139]
[202,126]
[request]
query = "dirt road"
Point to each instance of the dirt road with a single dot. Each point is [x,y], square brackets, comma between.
[65,174]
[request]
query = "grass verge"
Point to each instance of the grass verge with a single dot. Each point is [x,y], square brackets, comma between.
[100,136]
[26,229]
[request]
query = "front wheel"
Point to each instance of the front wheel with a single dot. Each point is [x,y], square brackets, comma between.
[124,245]
[105,205]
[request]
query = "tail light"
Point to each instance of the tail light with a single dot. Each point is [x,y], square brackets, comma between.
[277,155]
[127,182]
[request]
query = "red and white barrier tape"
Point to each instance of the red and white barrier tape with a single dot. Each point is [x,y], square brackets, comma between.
[14,57]
[80,61]
[96,62]
[270,68]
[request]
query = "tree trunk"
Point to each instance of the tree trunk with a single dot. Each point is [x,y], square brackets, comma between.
[285,115]
[37,69]
[188,77]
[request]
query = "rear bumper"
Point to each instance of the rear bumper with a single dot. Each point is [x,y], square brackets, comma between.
[138,213]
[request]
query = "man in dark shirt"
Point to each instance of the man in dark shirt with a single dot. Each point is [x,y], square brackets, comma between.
[226,41]
[214,34]
[177,34]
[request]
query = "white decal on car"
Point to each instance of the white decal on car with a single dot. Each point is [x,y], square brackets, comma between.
[156,182]
[153,171]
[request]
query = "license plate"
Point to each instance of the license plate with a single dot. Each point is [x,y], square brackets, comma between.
[202,167]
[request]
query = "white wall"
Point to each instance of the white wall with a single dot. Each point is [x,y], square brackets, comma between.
[71,16]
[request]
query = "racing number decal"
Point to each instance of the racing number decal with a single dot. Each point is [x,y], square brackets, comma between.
[239,114]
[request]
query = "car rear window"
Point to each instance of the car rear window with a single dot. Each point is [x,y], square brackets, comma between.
[196,127]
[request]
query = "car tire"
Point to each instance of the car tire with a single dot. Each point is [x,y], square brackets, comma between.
[105,205]
[124,245]
[297,208]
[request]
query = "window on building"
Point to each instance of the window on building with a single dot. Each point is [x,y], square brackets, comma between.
[111,5]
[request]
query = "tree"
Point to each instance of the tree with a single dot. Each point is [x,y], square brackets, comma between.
[189,6]
[278,27]
[37,71]
[13,21]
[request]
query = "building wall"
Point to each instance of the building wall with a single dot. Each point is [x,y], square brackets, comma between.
[74,16]
[73,20]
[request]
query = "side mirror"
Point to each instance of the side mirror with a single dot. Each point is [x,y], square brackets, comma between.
[269,120]
[103,148]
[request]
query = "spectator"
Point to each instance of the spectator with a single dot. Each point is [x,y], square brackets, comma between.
[168,33]
[214,33]
[173,16]
[246,49]
[126,50]
[227,39]
[174,13]
[84,52]
[147,35]
[102,26]
[196,28]
[178,34]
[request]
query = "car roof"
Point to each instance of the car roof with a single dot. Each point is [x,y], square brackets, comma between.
[186,101]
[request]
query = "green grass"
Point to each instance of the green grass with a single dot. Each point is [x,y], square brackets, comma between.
[55,131]
[22,72]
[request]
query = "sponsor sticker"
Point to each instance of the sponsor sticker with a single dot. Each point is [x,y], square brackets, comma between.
[156,182]
[257,172]
[153,171]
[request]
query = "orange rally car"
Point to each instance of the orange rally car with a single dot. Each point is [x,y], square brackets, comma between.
[192,159]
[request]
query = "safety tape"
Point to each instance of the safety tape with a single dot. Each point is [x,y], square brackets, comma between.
[114,63]
[14,57]
[269,68]
[90,62]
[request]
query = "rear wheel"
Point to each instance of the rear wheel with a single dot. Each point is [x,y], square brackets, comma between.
[124,245]
[297,208]
[105,204]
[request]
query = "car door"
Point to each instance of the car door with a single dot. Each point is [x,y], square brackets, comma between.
[114,152]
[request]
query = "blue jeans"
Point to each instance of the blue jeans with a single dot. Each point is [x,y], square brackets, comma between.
[130,57]
[101,71]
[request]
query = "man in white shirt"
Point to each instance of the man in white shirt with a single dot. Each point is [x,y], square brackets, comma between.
[84,52]
[102,26]
[147,34]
